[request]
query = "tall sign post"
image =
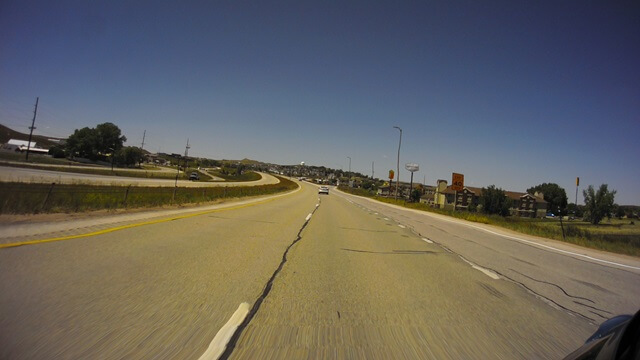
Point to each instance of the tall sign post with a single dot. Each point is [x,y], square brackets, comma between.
[412,168]
[575,211]
[391,173]
[457,184]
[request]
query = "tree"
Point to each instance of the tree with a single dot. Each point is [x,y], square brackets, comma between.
[109,138]
[82,143]
[415,195]
[554,195]
[96,143]
[57,151]
[576,210]
[129,155]
[494,201]
[598,204]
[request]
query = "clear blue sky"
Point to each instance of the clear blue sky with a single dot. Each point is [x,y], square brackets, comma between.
[510,93]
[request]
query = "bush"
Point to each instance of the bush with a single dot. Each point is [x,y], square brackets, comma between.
[57,152]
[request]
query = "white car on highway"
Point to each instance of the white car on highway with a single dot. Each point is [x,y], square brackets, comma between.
[323,190]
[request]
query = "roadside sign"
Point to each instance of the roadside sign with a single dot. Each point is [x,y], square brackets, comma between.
[577,181]
[457,182]
[391,173]
[412,167]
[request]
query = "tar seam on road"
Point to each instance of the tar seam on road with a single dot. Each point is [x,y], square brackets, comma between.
[105,231]
[267,289]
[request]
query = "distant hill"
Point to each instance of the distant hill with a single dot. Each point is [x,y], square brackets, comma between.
[7,134]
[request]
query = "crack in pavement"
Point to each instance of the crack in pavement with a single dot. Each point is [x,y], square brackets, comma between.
[593,307]
[267,289]
[556,285]
[546,299]
[549,301]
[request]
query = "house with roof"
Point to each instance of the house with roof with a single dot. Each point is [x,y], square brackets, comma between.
[23,145]
[522,204]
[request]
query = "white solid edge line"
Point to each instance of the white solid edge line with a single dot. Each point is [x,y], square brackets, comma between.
[525,241]
[219,342]
[427,240]
[308,217]
[546,246]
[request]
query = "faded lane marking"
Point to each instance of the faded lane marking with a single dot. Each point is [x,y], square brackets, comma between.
[151,222]
[220,341]
[401,226]
[308,217]
[386,219]
[427,240]
[487,272]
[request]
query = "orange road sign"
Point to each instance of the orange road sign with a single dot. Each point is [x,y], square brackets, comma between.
[457,182]
[391,173]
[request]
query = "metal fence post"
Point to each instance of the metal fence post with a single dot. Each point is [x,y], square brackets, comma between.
[126,194]
[46,198]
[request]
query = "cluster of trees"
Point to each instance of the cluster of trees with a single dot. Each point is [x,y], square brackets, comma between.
[598,203]
[95,143]
[104,142]
[554,195]
[494,201]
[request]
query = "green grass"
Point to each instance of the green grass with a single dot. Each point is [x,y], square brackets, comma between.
[145,174]
[26,198]
[35,158]
[618,236]
[246,176]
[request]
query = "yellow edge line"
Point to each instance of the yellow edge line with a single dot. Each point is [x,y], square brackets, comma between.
[105,231]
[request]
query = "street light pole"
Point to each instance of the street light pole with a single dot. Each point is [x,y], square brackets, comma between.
[398,163]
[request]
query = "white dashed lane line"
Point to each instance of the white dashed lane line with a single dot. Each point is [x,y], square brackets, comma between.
[220,341]
[427,240]
[487,272]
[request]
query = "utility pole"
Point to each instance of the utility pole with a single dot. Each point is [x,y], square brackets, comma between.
[186,153]
[398,163]
[143,136]
[31,128]
[575,211]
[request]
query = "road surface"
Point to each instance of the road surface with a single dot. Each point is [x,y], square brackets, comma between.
[330,277]
[48,176]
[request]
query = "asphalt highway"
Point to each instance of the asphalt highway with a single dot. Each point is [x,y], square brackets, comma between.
[298,276]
